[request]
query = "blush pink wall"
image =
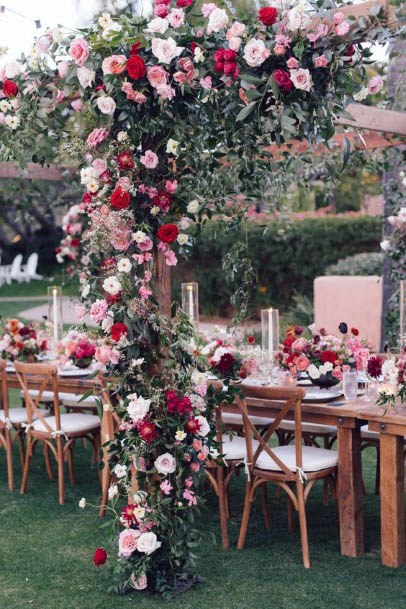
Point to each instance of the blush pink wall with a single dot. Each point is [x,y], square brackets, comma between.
[355,300]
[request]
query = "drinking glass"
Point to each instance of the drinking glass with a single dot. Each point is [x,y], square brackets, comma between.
[350,385]
[365,379]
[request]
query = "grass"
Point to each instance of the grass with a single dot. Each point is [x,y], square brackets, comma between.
[39,287]
[46,554]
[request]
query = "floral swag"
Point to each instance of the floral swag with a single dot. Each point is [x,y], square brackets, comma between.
[167,117]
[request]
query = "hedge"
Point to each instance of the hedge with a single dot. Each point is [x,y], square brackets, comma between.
[286,255]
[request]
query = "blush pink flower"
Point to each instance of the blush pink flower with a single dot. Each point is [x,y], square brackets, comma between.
[115,64]
[96,137]
[171,186]
[79,51]
[98,310]
[302,363]
[124,183]
[166,92]
[170,258]
[292,63]
[77,105]
[63,68]
[320,32]
[321,61]
[189,495]
[103,354]
[146,245]
[342,28]
[149,159]
[166,487]
[99,165]
[145,292]
[338,17]
[208,8]
[157,75]
[206,82]
[375,84]
[127,542]
[176,17]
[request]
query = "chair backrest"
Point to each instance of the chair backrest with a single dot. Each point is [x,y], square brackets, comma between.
[284,400]
[32,264]
[16,265]
[4,388]
[40,377]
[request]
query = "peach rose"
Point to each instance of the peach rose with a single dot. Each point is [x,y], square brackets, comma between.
[115,64]
[302,363]
[127,542]
[157,75]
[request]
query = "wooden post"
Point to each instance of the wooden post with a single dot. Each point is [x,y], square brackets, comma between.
[162,278]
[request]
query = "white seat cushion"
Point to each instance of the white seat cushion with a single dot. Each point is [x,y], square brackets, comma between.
[236,419]
[19,415]
[369,435]
[70,423]
[313,428]
[314,459]
[70,399]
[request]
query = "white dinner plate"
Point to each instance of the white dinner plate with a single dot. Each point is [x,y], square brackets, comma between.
[74,371]
[315,394]
[10,368]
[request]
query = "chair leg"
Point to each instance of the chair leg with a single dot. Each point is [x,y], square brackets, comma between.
[326,443]
[303,524]
[9,455]
[69,456]
[26,465]
[48,462]
[291,520]
[21,446]
[61,483]
[245,516]
[378,471]
[264,505]
[222,507]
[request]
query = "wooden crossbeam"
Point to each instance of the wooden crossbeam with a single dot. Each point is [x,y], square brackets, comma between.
[32,171]
[375,119]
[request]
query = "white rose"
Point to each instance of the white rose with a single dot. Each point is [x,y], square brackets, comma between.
[198,55]
[124,265]
[313,372]
[86,174]
[301,79]
[172,147]
[204,427]
[182,238]
[180,435]
[148,543]
[298,19]
[120,470]
[111,285]
[255,52]
[4,106]
[85,76]
[12,121]
[12,69]
[112,492]
[165,464]
[165,49]
[82,503]
[218,19]
[361,95]
[85,290]
[92,185]
[193,207]
[154,211]
[122,136]
[105,20]
[138,408]
[107,323]
[385,245]
[139,236]
[111,29]
[106,105]
[157,25]
[184,223]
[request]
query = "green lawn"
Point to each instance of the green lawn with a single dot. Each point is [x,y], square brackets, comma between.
[46,554]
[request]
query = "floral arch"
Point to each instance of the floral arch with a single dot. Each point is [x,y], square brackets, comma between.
[170,118]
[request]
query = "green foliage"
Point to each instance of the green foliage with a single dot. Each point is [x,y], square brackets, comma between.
[287,256]
[370,263]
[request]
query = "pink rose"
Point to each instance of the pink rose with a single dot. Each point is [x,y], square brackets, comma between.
[99,165]
[206,82]
[338,17]
[96,137]
[166,92]
[302,363]
[77,105]
[171,186]
[320,62]
[234,43]
[166,487]
[141,583]
[375,84]
[160,10]
[115,64]
[176,17]
[79,51]
[157,75]
[170,258]
[98,310]
[70,347]
[299,344]
[279,49]
[292,63]
[121,240]
[237,29]
[127,542]
[149,159]
[63,68]
[180,77]
[301,79]
[124,183]
[146,245]
[342,28]
[103,354]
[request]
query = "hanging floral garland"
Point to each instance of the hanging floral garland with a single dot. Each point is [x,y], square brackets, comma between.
[168,117]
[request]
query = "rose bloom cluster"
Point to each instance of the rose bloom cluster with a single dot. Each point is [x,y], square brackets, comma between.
[19,342]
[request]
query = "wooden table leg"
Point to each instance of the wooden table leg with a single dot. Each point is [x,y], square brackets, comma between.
[392,501]
[106,434]
[350,495]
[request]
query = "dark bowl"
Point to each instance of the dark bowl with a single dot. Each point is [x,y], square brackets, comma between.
[325,381]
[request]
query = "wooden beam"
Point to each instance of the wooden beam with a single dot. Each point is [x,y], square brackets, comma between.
[355,10]
[32,171]
[375,119]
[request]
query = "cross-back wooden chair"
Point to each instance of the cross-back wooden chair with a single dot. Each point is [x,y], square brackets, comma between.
[288,466]
[52,431]
[6,425]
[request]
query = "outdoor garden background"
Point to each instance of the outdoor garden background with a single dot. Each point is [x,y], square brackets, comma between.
[331,224]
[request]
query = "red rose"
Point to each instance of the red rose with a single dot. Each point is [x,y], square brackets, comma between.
[177,404]
[118,330]
[219,55]
[167,233]
[282,79]
[354,331]
[229,68]
[10,88]
[99,556]
[268,15]
[120,199]
[125,160]
[184,3]
[147,431]
[375,366]
[162,200]
[230,55]
[243,373]
[192,426]
[136,67]
[251,340]
[328,356]
[193,46]
[75,242]
[136,48]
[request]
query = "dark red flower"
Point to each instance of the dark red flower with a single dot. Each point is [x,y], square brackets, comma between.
[177,404]
[288,342]
[24,331]
[350,52]
[136,48]
[192,426]
[75,242]
[84,349]
[251,340]
[354,331]
[136,67]
[230,55]
[127,514]
[268,15]
[118,330]
[99,556]
[243,373]
[109,264]
[101,88]
[375,366]
[167,233]
[125,160]
[105,177]
[282,79]
[183,3]
[10,89]
[226,363]
[120,199]
[147,431]
[193,46]
[162,200]
[328,356]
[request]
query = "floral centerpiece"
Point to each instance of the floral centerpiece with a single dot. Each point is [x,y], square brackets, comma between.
[21,342]
[323,357]
[392,371]
[78,348]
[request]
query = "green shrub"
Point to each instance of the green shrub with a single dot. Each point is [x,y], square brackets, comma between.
[367,263]
[286,255]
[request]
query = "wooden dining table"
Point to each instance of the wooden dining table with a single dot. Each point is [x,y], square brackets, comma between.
[348,417]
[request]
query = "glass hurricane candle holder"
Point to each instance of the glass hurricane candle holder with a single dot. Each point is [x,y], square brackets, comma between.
[270,332]
[190,301]
[402,315]
[55,315]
